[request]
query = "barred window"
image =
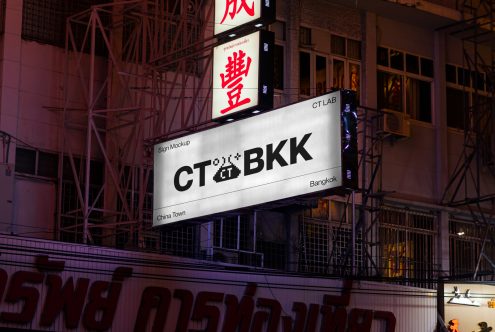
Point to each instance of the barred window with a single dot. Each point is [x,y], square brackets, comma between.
[181,241]
[407,244]
[325,247]
[466,248]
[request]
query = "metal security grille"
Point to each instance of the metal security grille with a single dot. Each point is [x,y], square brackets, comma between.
[181,241]
[315,246]
[341,245]
[44,21]
[466,241]
[408,246]
[325,247]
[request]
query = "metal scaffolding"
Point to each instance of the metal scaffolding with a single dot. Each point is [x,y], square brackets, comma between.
[467,186]
[149,85]
[155,85]
[138,72]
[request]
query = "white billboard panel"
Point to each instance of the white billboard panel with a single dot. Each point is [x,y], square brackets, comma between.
[284,153]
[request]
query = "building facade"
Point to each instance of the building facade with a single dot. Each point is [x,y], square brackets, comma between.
[87,88]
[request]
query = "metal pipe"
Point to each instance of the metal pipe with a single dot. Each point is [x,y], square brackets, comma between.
[89,130]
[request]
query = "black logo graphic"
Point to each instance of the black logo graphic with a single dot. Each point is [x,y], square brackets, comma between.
[226,172]
[257,159]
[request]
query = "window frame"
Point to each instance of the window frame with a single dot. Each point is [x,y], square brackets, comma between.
[404,74]
[329,63]
[469,89]
[36,172]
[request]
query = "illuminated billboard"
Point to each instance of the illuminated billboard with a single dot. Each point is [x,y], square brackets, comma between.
[233,14]
[296,150]
[243,75]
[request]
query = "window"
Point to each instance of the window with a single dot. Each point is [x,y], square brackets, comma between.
[426,67]
[233,241]
[407,245]
[346,70]
[396,60]
[418,99]
[469,90]
[304,74]
[451,74]
[320,72]
[305,37]
[354,49]
[326,234]
[321,75]
[232,233]
[180,241]
[382,56]
[404,83]
[35,162]
[466,245]
[325,247]
[338,74]
[389,91]
[412,64]
[337,45]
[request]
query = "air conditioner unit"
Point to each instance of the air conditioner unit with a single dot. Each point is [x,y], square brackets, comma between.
[395,123]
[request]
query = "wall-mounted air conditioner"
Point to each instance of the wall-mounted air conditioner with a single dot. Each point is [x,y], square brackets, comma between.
[395,123]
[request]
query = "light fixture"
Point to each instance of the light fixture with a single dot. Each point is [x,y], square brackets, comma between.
[258,25]
[232,35]
[256,111]
[229,120]
[460,233]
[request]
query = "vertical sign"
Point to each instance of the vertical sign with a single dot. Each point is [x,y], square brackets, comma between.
[241,78]
[232,14]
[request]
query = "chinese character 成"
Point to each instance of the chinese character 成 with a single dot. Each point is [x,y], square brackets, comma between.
[236,69]
[232,10]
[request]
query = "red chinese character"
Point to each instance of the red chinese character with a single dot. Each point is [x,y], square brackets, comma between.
[236,69]
[234,10]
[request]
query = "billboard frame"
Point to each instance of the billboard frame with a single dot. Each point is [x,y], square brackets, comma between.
[348,161]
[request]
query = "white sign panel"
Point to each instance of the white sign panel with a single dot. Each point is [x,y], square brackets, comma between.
[235,75]
[284,153]
[230,14]
[469,306]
